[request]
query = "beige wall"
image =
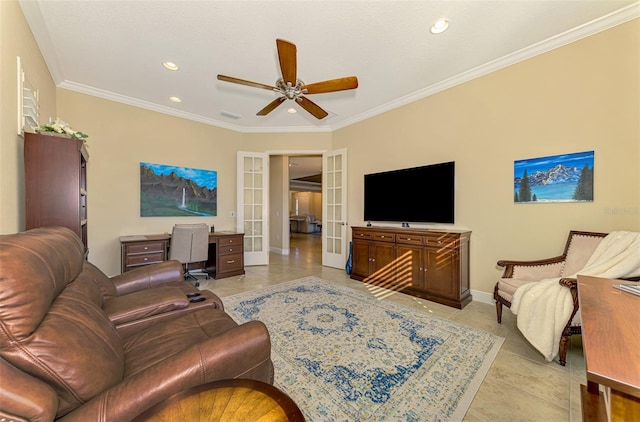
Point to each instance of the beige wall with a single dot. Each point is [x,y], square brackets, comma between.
[16,40]
[122,136]
[585,96]
[581,97]
[309,203]
[278,204]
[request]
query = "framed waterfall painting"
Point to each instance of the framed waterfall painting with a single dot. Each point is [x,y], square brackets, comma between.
[171,191]
[557,178]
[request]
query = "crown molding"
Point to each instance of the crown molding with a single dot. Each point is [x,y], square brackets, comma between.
[591,28]
[33,15]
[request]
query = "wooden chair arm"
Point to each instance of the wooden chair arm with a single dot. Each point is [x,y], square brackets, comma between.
[509,265]
[556,259]
[571,283]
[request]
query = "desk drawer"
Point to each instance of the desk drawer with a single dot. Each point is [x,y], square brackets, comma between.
[229,241]
[231,262]
[143,248]
[230,249]
[144,259]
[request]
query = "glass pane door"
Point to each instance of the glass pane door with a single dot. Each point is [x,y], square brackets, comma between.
[252,206]
[334,215]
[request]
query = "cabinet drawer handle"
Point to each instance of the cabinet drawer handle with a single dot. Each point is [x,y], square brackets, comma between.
[146,247]
[230,249]
[381,237]
[231,262]
[146,259]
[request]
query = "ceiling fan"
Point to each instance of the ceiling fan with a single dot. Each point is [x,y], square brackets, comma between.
[292,88]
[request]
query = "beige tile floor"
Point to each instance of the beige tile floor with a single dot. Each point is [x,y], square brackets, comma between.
[520,386]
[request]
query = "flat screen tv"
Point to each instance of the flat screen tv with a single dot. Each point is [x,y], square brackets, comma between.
[419,194]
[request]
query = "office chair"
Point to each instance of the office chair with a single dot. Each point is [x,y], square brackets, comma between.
[189,244]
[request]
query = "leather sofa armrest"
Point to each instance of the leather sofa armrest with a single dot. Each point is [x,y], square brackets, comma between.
[145,303]
[236,353]
[25,398]
[161,274]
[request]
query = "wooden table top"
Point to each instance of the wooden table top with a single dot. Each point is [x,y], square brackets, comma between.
[610,334]
[227,401]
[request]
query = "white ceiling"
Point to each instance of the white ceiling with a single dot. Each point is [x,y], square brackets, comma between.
[304,166]
[114,49]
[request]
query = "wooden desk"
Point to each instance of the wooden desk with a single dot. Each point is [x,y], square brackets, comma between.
[226,401]
[226,252]
[611,342]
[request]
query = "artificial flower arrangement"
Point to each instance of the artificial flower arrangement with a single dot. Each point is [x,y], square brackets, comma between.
[59,126]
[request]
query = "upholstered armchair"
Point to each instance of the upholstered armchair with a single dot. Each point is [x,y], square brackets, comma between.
[578,249]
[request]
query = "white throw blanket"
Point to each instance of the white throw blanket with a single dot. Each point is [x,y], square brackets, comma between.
[544,307]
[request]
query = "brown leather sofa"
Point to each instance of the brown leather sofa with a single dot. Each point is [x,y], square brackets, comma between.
[63,358]
[140,298]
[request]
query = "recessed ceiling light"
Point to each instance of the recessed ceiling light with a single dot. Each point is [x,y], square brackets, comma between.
[291,110]
[175,99]
[440,26]
[170,65]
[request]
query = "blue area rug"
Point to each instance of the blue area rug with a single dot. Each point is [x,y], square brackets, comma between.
[342,355]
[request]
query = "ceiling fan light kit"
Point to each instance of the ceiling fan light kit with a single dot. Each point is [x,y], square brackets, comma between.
[292,88]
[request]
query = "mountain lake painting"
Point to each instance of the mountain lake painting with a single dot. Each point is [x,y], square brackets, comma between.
[170,191]
[558,178]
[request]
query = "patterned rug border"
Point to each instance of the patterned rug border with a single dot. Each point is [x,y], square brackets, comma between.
[464,400]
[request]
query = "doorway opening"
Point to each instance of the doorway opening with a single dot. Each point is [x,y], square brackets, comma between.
[295,199]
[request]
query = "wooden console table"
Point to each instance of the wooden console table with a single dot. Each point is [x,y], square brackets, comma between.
[226,252]
[237,400]
[610,339]
[428,263]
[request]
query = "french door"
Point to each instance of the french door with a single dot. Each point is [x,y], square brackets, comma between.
[334,208]
[253,205]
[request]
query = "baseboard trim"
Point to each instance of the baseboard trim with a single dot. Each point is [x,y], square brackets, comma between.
[279,251]
[482,297]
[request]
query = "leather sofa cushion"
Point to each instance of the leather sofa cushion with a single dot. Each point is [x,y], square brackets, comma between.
[35,268]
[52,325]
[75,342]
[144,303]
[157,343]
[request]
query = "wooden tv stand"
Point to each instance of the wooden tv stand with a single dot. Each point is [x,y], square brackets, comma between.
[429,263]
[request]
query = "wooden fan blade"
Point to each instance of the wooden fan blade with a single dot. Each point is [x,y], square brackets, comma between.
[271,106]
[244,82]
[340,84]
[287,58]
[312,107]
